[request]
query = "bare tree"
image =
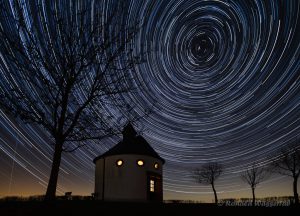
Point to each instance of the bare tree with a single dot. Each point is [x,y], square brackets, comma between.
[208,174]
[254,176]
[61,67]
[288,164]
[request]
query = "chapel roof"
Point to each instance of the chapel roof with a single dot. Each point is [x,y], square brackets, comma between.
[131,144]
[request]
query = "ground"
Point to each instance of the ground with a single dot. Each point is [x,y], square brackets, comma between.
[86,208]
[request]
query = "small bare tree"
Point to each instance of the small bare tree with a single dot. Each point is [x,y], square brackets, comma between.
[61,66]
[208,174]
[288,164]
[254,176]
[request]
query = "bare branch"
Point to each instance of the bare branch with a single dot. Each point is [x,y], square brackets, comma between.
[61,67]
[254,175]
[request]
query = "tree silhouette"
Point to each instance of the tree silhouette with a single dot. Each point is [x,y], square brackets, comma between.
[208,174]
[61,67]
[288,164]
[253,176]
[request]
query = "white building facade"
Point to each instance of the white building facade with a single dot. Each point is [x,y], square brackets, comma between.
[130,171]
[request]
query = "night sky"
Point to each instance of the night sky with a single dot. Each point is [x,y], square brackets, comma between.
[225,80]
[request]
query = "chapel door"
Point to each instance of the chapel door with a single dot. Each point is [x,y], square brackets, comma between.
[154,187]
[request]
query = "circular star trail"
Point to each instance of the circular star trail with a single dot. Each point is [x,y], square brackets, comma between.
[225,80]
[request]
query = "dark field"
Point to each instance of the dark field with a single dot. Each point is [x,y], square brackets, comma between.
[85,208]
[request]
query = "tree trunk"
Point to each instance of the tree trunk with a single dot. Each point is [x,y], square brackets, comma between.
[253,196]
[215,193]
[51,189]
[296,197]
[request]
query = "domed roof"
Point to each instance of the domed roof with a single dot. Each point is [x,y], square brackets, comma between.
[131,144]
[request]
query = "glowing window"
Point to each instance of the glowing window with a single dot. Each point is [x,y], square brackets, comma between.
[152,184]
[156,165]
[140,163]
[119,162]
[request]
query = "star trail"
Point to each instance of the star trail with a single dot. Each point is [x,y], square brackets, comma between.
[224,76]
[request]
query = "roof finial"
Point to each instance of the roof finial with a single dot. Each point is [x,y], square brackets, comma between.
[129,131]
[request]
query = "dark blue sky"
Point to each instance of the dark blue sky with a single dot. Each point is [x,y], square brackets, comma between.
[225,79]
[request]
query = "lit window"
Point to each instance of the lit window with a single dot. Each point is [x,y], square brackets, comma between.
[119,162]
[152,183]
[156,165]
[140,162]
